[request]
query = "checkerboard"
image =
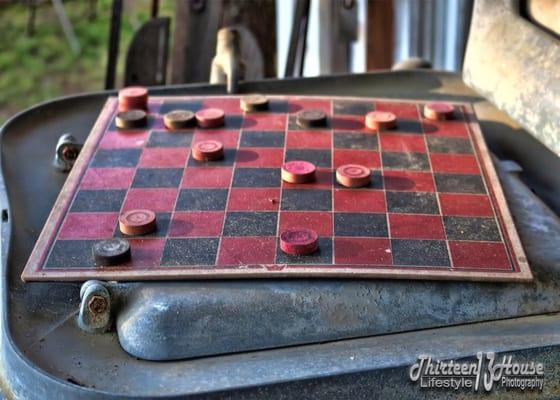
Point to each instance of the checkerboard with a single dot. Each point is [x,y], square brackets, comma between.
[434,208]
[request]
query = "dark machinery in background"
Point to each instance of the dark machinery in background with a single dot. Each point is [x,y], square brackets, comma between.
[376,328]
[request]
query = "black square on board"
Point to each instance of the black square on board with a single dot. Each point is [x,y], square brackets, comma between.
[192,251]
[420,253]
[321,158]
[262,139]
[306,200]
[407,126]
[471,228]
[323,255]
[256,177]
[250,224]
[355,141]
[352,107]
[405,161]
[116,158]
[157,177]
[202,200]
[459,183]
[98,201]
[170,139]
[71,254]
[412,203]
[452,145]
[360,225]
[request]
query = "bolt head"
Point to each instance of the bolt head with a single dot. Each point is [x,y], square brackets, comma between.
[97,305]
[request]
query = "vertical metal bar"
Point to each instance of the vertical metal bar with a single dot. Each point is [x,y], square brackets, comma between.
[155,8]
[298,39]
[114,36]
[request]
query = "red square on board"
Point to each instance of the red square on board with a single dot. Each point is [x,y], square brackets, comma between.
[408,181]
[366,158]
[404,143]
[320,222]
[88,226]
[226,104]
[264,122]
[401,110]
[123,140]
[473,205]
[196,224]
[364,251]
[323,180]
[145,252]
[163,158]
[259,157]
[247,250]
[202,177]
[298,104]
[445,128]
[157,200]
[253,199]
[482,255]
[309,139]
[228,137]
[353,200]
[405,226]
[107,178]
[454,163]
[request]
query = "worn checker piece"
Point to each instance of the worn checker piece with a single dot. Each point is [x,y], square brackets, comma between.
[433,209]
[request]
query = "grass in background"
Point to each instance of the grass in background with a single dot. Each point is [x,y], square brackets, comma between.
[43,66]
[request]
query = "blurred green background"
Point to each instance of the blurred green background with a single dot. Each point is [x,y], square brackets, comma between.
[41,66]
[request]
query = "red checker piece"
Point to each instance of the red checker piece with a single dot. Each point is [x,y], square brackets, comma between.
[299,241]
[133,97]
[137,222]
[298,172]
[381,120]
[353,175]
[208,150]
[438,111]
[210,118]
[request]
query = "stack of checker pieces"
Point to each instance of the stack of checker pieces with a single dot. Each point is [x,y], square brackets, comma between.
[396,190]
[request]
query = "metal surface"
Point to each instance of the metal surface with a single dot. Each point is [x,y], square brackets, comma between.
[295,60]
[66,152]
[146,58]
[46,355]
[522,76]
[113,47]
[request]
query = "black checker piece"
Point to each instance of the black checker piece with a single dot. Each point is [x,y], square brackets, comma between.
[459,183]
[192,251]
[170,139]
[71,254]
[355,141]
[412,203]
[471,228]
[262,139]
[321,158]
[306,200]
[360,225]
[202,200]
[294,126]
[98,201]
[452,145]
[406,161]
[428,253]
[350,107]
[116,158]
[256,177]
[250,224]
[323,255]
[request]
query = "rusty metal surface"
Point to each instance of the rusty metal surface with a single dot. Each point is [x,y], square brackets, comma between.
[514,64]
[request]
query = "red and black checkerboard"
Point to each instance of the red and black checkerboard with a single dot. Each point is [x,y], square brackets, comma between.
[434,207]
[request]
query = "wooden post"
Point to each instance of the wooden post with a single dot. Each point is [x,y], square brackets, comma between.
[380,34]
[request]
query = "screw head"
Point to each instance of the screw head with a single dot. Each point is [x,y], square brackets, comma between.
[97,304]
